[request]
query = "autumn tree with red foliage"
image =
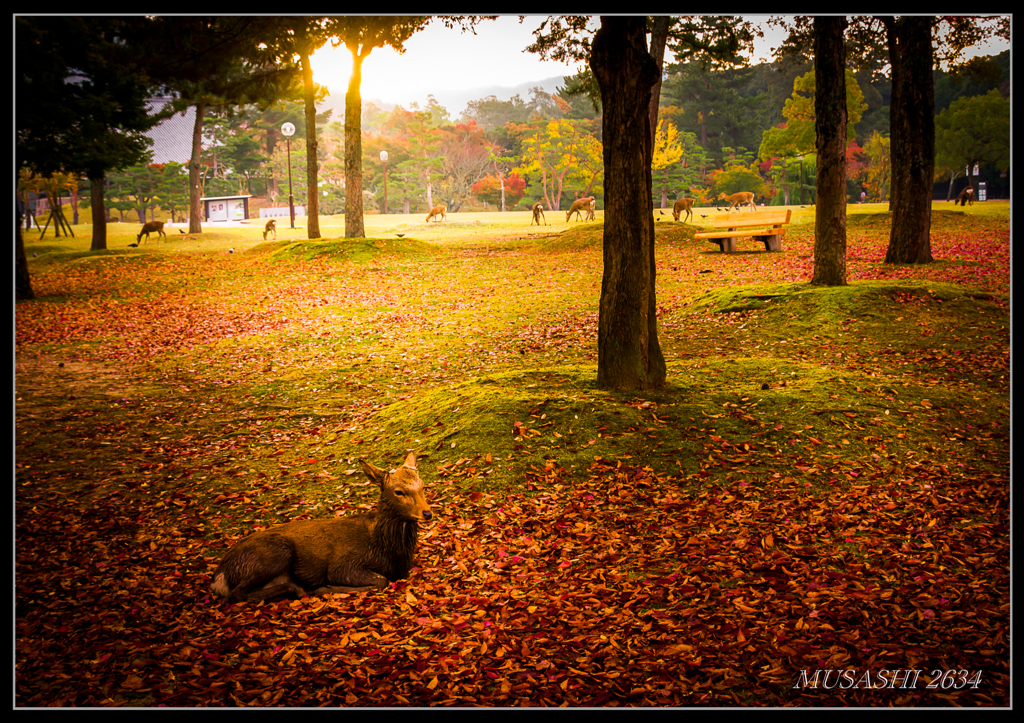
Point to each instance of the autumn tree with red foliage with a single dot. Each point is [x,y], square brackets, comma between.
[488,189]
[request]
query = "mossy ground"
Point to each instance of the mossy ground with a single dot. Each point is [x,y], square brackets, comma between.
[472,342]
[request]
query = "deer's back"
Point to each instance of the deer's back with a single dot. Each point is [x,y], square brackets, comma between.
[323,546]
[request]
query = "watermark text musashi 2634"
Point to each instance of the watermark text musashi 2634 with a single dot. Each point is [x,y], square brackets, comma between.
[899,678]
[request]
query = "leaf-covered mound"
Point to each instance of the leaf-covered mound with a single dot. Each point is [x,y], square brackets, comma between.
[357,250]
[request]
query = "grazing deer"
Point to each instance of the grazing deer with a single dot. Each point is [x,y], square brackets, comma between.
[344,554]
[678,207]
[577,207]
[270,227]
[151,227]
[538,214]
[966,197]
[738,198]
[439,211]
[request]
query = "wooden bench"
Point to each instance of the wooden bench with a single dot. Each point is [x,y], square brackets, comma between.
[765,226]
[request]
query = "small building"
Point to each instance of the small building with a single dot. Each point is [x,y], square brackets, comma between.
[226,208]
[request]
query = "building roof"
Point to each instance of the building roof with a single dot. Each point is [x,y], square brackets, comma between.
[172,137]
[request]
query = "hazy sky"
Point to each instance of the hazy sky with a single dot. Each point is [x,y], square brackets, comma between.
[437,58]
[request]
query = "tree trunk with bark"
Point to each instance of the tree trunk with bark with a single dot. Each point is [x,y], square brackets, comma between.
[830,134]
[312,167]
[99,214]
[354,152]
[195,203]
[912,138]
[629,356]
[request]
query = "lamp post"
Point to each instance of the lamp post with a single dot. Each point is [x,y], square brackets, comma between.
[288,130]
[384,160]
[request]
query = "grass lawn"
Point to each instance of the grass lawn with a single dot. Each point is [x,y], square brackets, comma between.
[822,485]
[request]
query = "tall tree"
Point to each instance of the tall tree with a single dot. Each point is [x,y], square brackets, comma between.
[625,70]
[912,123]
[830,133]
[361,34]
[915,43]
[628,353]
[81,92]
[306,35]
[219,62]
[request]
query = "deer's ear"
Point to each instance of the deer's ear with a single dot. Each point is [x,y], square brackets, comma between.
[375,474]
[410,461]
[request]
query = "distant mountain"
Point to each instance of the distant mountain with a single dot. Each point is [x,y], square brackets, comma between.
[453,100]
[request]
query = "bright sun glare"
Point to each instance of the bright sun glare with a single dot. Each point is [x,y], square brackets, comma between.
[385,73]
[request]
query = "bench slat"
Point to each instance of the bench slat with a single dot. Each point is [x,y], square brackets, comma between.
[766,226]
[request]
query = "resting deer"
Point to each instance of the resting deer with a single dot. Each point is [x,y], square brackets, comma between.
[270,227]
[344,554]
[739,198]
[151,227]
[966,197]
[678,207]
[538,214]
[439,211]
[578,206]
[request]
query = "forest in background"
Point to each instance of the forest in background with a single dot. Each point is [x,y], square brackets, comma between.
[714,136]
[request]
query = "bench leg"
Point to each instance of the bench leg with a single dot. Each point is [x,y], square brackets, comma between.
[728,245]
[772,243]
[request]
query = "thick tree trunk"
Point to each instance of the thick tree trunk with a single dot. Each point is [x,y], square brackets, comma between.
[312,167]
[830,135]
[354,153]
[195,204]
[629,356]
[99,214]
[912,124]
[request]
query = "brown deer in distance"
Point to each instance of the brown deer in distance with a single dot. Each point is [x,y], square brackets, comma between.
[578,207]
[966,197]
[344,554]
[538,213]
[156,227]
[271,227]
[736,199]
[678,206]
[438,211]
